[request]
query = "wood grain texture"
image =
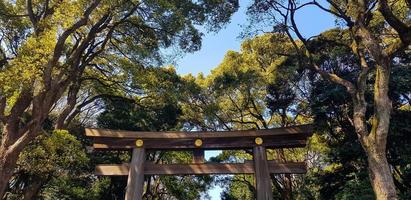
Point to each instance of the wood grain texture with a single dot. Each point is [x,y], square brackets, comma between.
[275,141]
[289,137]
[92,132]
[135,181]
[262,174]
[199,169]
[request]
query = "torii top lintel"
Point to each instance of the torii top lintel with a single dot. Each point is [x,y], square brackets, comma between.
[286,137]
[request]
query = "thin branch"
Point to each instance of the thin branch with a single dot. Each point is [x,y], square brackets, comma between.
[59,47]
[79,107]
[32,16]
[341,13]
[329,76]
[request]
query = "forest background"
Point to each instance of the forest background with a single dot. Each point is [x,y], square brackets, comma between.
[108,75]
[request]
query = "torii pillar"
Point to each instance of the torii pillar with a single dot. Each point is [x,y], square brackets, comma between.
[135,181]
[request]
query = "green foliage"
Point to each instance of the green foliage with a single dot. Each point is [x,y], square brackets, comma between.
[239,189]
[247,90]
[337,163]
[80,51]
[186,187]
[58,165]
[67,188]
[52,154]
[135,117]
[356,190]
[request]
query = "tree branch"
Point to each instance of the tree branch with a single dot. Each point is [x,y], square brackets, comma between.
[32,16]
[58,48]
[340,13]
[403,30]
[329,76]
[79,107]
[71,103]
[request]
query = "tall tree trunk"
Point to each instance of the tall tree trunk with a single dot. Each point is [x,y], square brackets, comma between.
[375,147]
[379,169]
[16,135]
[10,150]
[381,176]
[8,162]
[9,155]
[374,142]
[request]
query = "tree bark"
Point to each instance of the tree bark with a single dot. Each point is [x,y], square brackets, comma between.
[14,139]
[31,191]
[9,155]
[7,164]
[379,169]
[374,144]
[374,141]
[71,103]
[381,176]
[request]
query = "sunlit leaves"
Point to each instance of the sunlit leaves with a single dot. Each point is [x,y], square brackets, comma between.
[54,154]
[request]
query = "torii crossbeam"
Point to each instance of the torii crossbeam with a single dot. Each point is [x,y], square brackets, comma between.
[258,140]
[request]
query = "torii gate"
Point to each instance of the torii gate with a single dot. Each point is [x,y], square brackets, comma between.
[258,140]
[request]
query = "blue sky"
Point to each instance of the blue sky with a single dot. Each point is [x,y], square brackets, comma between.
[215,45]
[311,20]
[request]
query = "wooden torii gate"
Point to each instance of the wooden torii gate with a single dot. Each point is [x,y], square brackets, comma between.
[258,140]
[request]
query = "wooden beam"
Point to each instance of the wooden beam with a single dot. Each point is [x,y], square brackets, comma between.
[183,169]
[199,169]
[274,141]
[262,174]
[135,181]
[92,132]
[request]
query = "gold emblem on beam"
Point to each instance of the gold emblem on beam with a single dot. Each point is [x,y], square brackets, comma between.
[258,141]
[198,142]
[139,143]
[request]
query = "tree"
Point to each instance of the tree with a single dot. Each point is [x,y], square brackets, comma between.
[375,32]
[255,88]
[271,76]
[344,173]
[52,169]
[50,48]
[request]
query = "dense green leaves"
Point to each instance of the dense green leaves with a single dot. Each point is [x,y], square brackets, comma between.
[54,166]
